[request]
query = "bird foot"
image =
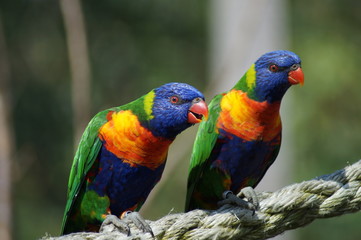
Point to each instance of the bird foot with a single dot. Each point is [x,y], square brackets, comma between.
[250,194]
[113,224]
[138,221]
[252,202]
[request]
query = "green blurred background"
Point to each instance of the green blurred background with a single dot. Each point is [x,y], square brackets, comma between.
[135,46]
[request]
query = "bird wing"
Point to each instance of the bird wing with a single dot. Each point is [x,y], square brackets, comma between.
[205,140]
[85,156]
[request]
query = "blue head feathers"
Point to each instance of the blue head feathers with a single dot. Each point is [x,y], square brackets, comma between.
[172,109]
[274,71]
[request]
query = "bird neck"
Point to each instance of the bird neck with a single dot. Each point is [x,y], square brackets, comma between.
[249,119]
[248,82]
[125,137]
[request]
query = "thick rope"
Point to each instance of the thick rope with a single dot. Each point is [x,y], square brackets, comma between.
[288,208]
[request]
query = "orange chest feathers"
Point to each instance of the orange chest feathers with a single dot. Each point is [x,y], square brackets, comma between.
[126,138]
[249,119]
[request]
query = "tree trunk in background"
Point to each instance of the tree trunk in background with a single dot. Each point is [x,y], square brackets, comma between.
[241,31]
[79,64]
[6,142]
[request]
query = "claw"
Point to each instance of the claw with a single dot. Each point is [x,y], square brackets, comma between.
[112,223]
[139,222]
[250,195]
[247,192]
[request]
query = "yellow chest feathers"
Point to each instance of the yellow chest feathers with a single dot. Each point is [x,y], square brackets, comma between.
[125,137]
[249,119]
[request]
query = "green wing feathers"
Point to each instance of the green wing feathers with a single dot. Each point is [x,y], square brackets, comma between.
[203,145]
[85,156]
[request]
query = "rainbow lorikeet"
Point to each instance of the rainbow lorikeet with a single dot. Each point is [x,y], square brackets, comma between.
[122,154]
[241,138]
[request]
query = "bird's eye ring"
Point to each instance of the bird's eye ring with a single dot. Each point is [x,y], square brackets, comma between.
[273,68]
[294,67]
[174,99]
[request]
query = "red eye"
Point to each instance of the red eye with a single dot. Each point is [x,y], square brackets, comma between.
[174,99]
[273,68]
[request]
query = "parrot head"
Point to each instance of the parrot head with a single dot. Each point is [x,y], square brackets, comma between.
[275,72]
[176,106]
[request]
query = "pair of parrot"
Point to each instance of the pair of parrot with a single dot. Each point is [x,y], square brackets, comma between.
[122,153]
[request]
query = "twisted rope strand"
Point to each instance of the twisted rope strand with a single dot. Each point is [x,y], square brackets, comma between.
[288,208]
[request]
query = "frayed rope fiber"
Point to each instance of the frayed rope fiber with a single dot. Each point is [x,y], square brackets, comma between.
[288,208]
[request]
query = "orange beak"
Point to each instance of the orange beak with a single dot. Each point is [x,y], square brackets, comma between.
[296,77]
[197,111]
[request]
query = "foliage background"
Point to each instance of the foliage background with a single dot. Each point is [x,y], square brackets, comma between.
[138,45]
